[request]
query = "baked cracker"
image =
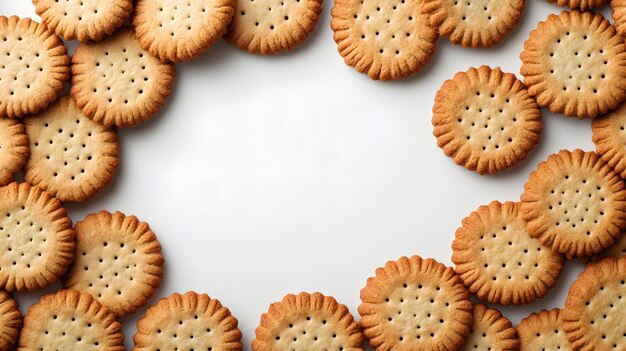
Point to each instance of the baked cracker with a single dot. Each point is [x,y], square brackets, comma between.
[14,149]
[181,30]
[415,304]
[574,63]
[188,322]
[486,120]
[307,322]
[385,40]
[543,331]
[609,132]
[34,66]
[10,321]
[72,157]
[36,238]
[575,203]
[582,5]
[490,331]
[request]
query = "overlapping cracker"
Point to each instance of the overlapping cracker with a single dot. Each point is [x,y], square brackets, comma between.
[490,331]
[543,331]
[14,149]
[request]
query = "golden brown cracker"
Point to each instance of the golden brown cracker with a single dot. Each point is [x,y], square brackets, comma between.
[543,331]
[582,5]
[609,135]
[575,203]
[307,322]
[10,321]
[181,29]
[36,238]
[117,83]
[385,40]
[574,63]
[486,120]
[14,149]
[490,331]
[188,322]
[415,304]
[34,66]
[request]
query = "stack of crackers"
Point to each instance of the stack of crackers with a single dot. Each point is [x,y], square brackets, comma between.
[573,205]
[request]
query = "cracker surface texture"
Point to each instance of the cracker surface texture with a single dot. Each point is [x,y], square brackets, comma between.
[595,307]
[575,63]
[118,261]
[583,5]
[485,120]
[543,331]
[499,261]
[575,203]
[36,238]
[14,149]
[188,322]
[415,304]
[69,320]
[609,136]
[475,23]
[490,331]
[117,83]
[181,30]
[84,20]
[618,13]
[35,62]
[385,40]
[72,157]
[307,322]
[272,26]
[10,321]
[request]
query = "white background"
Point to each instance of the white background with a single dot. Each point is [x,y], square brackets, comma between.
[268,175]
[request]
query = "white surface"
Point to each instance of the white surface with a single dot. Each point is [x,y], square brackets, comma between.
[269,175]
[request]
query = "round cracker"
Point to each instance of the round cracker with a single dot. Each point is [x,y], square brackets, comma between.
[269,27]
[384,40]
[498,261]
[306,322]
[69,320]
[188,322]
[490,331]
[486,120]
[118,261]
[84,20]
[72,157]
[117,83]
[10,321]
[36,238]
[415,304]
[595,307]
[181,30]
[475,23]
[34,66]
[14,149]
[543,331]
[575,203]
[582,5]
[609,135]
[573,64]
[618,13]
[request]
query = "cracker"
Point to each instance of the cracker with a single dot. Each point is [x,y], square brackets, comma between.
[84,20]
[118,261]
[543,331]
[36,238]
[69,320]
[475,23]
[485,120]
[269,27]
[573,63]
[117,83]
[308,322]
[583,5]
[490,331]
[415,304]
[498,261]
[10,321]
[34,66]
[594,310]
[72,157]
[575,203]
[385,40]
[188,322]
[14,149]
[181,29]
[609,132]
